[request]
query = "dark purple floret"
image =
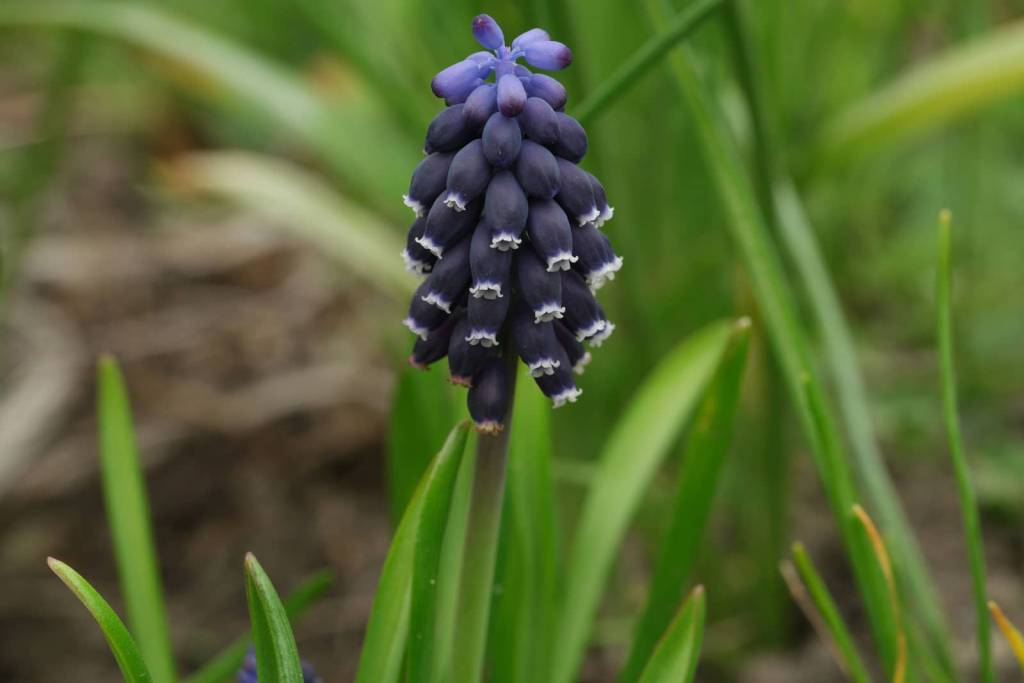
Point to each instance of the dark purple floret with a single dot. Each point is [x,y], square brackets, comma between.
[539,121]
[598,262]
[550,234]
[491,269]
[468,176]
[464,359]
[548,89]
[548,54]
[489,397]
[428,181]
[448,132]
[505,211]
[540,289]
[511,95]
[417,259]
[572,140]
[480,104]
[446,225]
[502,140]
[583,317]
[487,32]
[449,278]
[507,228]
[575,194]
[537,170]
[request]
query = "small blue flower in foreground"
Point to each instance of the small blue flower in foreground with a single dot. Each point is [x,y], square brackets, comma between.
[247,674]
[507,227]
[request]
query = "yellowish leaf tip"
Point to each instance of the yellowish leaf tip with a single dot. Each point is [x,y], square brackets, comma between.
[744,323]
[945,218]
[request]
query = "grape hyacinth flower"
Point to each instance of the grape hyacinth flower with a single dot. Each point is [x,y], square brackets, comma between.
[247,674]
[507,229]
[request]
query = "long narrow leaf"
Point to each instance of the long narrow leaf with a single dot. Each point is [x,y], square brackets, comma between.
[225,665]
[128,515]
[305,206]
[822,612]
[127,654]
[703,456]
[965,491]
[277,655]
[637,446]
[386,633]
[675,659]
[946,88]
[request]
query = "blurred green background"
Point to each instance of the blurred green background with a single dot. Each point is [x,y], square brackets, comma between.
[206,189]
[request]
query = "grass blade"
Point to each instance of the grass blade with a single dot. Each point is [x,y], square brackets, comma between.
[968,504]
[631,456]
[615,85]
[703,456]
[277,655]
[821,611]
[307,207]
[522,626]
[127,654]
[225,666]
[899,668]
[354,136]
[838,347]
[387,630]
[131,531]
[675,659]
[1010,631]
[944,89]
[476,589]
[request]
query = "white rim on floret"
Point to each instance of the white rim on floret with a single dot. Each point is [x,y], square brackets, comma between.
[582,363]
[416,328]
[430,245]
[563,260]
[603,335]
[505,241]
[567,395]
[454,200]
[417,208]
[484,338]
[486,290]
[414,265]
[548,312]
[436,299]
[597,279]
[544,366]
[590,330]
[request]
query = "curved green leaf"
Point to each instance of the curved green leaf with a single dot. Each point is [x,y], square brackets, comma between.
[305,206]
[703,457]
[675,659]
[946,88]
[277,656]
[127,654]
[128,515]
[225,665]
[637,446]
[388,628]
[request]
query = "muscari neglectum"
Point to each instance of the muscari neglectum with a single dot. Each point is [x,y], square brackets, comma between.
[507,227]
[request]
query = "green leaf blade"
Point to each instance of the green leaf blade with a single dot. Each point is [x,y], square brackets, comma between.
[224,666]
[129,518]
[630,458]
[387,631]
[277,655]
[125,651]
[678,652]
[703,457]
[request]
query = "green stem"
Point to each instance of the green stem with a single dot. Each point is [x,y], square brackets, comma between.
[968,504]
[680,26]
[477,586]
